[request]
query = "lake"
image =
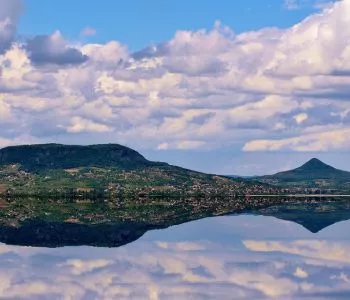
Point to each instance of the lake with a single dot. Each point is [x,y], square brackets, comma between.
[229,257]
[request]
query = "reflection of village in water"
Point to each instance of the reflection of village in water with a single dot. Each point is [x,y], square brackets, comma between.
[102,222]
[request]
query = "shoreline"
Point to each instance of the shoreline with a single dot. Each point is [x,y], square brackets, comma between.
[302,195]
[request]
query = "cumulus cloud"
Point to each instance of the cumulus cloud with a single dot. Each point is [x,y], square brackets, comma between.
[317,249]
[301,273]
[108,55]
[79,267]
[299,4]
[320,141]
[9,14]
[270,89]
[300,118]
[195,66]
[53,49]
[79,124]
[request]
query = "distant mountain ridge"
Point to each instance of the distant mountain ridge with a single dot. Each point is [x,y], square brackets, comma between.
[313,172]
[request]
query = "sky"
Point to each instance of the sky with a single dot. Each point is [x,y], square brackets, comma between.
[138,23]
[228,87]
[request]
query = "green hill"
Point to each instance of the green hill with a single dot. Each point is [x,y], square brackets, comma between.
[56,156]
[111,168]
[313,173]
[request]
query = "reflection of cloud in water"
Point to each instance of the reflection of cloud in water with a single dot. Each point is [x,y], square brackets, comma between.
[326,250]
[162,266]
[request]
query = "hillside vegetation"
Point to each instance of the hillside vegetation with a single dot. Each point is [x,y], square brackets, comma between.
[105,169]
[314,173]
[36,158]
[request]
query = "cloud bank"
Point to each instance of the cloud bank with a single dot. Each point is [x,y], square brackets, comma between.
[266,90]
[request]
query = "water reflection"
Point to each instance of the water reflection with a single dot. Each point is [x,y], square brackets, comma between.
[245,256]
[52,223]
[314,215]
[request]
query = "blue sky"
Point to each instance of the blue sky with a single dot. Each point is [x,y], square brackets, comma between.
[138,23]
[228,87]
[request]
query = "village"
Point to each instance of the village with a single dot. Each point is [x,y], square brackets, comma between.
[153,195]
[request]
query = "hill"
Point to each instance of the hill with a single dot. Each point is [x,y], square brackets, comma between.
[314,173]
[55,156]
[113,169]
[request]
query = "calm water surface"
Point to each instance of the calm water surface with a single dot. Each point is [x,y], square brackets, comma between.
[231,257]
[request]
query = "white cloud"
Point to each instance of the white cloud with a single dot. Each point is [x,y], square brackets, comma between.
[53,49]
[79,267]
[163,146]
[189,144]
[317,249]
[320,141]
[79,124]
[262,90]
[300,118]
[299,4]
[291,4]
[109,54]
[181,246]
[9,14]
[301,273]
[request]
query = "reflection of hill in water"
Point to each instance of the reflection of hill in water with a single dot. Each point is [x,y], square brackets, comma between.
[313,216]
[38,233]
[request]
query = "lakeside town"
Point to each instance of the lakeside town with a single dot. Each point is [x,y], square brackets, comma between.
[149,182]
[78,185]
